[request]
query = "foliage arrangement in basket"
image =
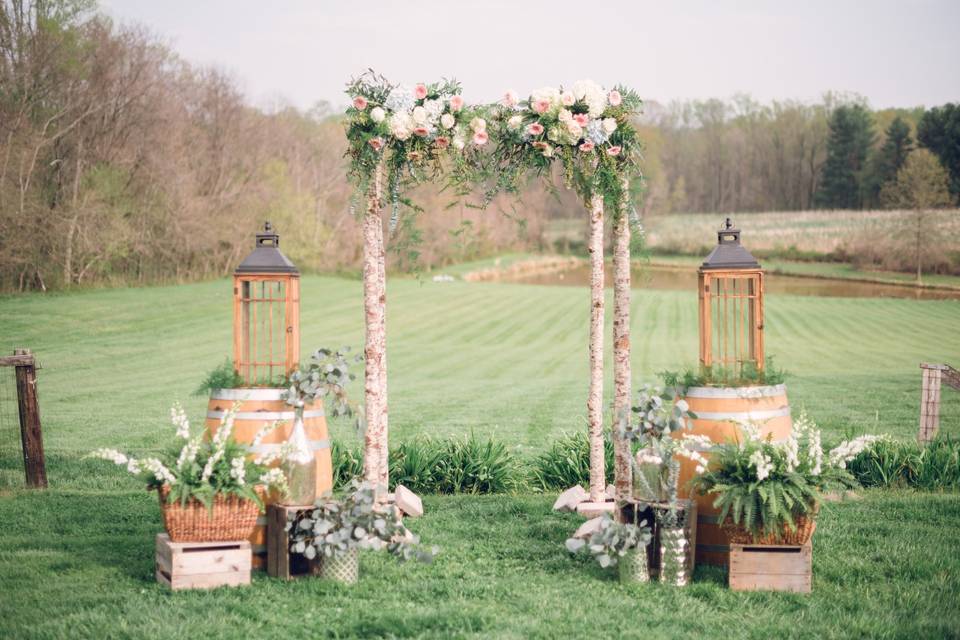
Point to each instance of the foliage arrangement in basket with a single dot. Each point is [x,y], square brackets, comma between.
[209,490]
[769,492]
[336,530]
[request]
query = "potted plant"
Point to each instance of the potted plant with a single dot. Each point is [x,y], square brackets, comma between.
[768,492]
[618,544]
[209,491]
[653,428]
[332,534]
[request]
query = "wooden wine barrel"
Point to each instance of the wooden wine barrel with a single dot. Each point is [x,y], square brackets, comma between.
[719,410]
[258,408]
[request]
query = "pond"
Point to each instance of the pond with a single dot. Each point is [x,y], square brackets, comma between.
[658,277]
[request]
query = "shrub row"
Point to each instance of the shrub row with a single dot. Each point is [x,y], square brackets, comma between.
[474,465]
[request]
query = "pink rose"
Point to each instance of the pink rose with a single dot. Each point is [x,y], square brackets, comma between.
[420,131]
[376,143]
[586,147]
[535,129]
[509,99]
[614,150]
[420,91]
[359,103]
[442,142]
[614,98]
[581,119]
[541,106]
[480,138]
[456,103]
[567,99]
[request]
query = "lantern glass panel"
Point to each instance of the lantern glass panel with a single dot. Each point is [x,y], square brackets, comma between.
[263,331]
[733,308]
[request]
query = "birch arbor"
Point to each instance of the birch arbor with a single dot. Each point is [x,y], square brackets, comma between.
[401,136]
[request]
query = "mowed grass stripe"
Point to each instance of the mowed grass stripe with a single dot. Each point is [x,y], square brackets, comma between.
[510,359]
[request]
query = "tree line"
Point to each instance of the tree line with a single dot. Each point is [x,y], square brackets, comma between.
[740,155]
[120,162]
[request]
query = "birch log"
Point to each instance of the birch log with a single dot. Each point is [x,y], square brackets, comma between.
[622,471]
[375,349]
[595,397]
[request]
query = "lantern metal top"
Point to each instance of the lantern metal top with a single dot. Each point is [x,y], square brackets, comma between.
[266,256]
[729,253]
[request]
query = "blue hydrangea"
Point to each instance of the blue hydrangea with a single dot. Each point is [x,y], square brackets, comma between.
[400,99]
[596,133]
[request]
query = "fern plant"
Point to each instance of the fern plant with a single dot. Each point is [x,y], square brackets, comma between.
[766,486]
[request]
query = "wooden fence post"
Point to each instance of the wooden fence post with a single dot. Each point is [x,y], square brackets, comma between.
[934,375]
[30,434]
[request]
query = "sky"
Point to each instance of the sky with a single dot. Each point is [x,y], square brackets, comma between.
[894,53]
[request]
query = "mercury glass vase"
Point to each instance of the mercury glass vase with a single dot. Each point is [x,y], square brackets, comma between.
[673,556]
[300,467]
[633,567]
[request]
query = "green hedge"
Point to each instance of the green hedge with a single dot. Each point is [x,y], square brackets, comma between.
[474,465]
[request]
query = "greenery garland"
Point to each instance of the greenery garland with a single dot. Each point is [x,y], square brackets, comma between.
[426,131]
[410,131]
[587,129]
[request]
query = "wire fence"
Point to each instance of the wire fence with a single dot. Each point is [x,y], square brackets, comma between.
[11,453]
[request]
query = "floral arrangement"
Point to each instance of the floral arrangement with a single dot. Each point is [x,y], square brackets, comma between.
[410,130]
[201,468]
[335,527]
[612,540]
[767,486]
[657,416]
[586,128]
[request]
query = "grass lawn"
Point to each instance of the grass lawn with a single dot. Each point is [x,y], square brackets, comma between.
[503,360]
[79,565]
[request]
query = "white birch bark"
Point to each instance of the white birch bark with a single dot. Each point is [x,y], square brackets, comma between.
[622,470]
[595,396]
[375,456]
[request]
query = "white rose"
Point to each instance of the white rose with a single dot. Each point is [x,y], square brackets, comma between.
[565,115]
[574,129]
[609,125]
[447,120]
[377,114]
[420,115]
[401,125]
[458,143]
[514,122]
[567,99]
[478,125]
[433,107]
[553,134]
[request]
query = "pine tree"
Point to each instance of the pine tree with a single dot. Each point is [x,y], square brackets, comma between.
[889,159]
[842,178]
[939,131]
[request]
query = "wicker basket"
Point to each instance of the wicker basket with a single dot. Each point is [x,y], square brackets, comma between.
[806,525]
[232,518]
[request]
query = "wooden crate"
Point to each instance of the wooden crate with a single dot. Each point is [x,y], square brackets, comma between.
[280,562]
[202,565]
[771,568]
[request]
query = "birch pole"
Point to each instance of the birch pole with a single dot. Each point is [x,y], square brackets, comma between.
[595,396]
[375,452]
[622,471]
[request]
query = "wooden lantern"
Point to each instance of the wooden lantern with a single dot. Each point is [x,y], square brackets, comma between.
[731,305]
[266,314]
